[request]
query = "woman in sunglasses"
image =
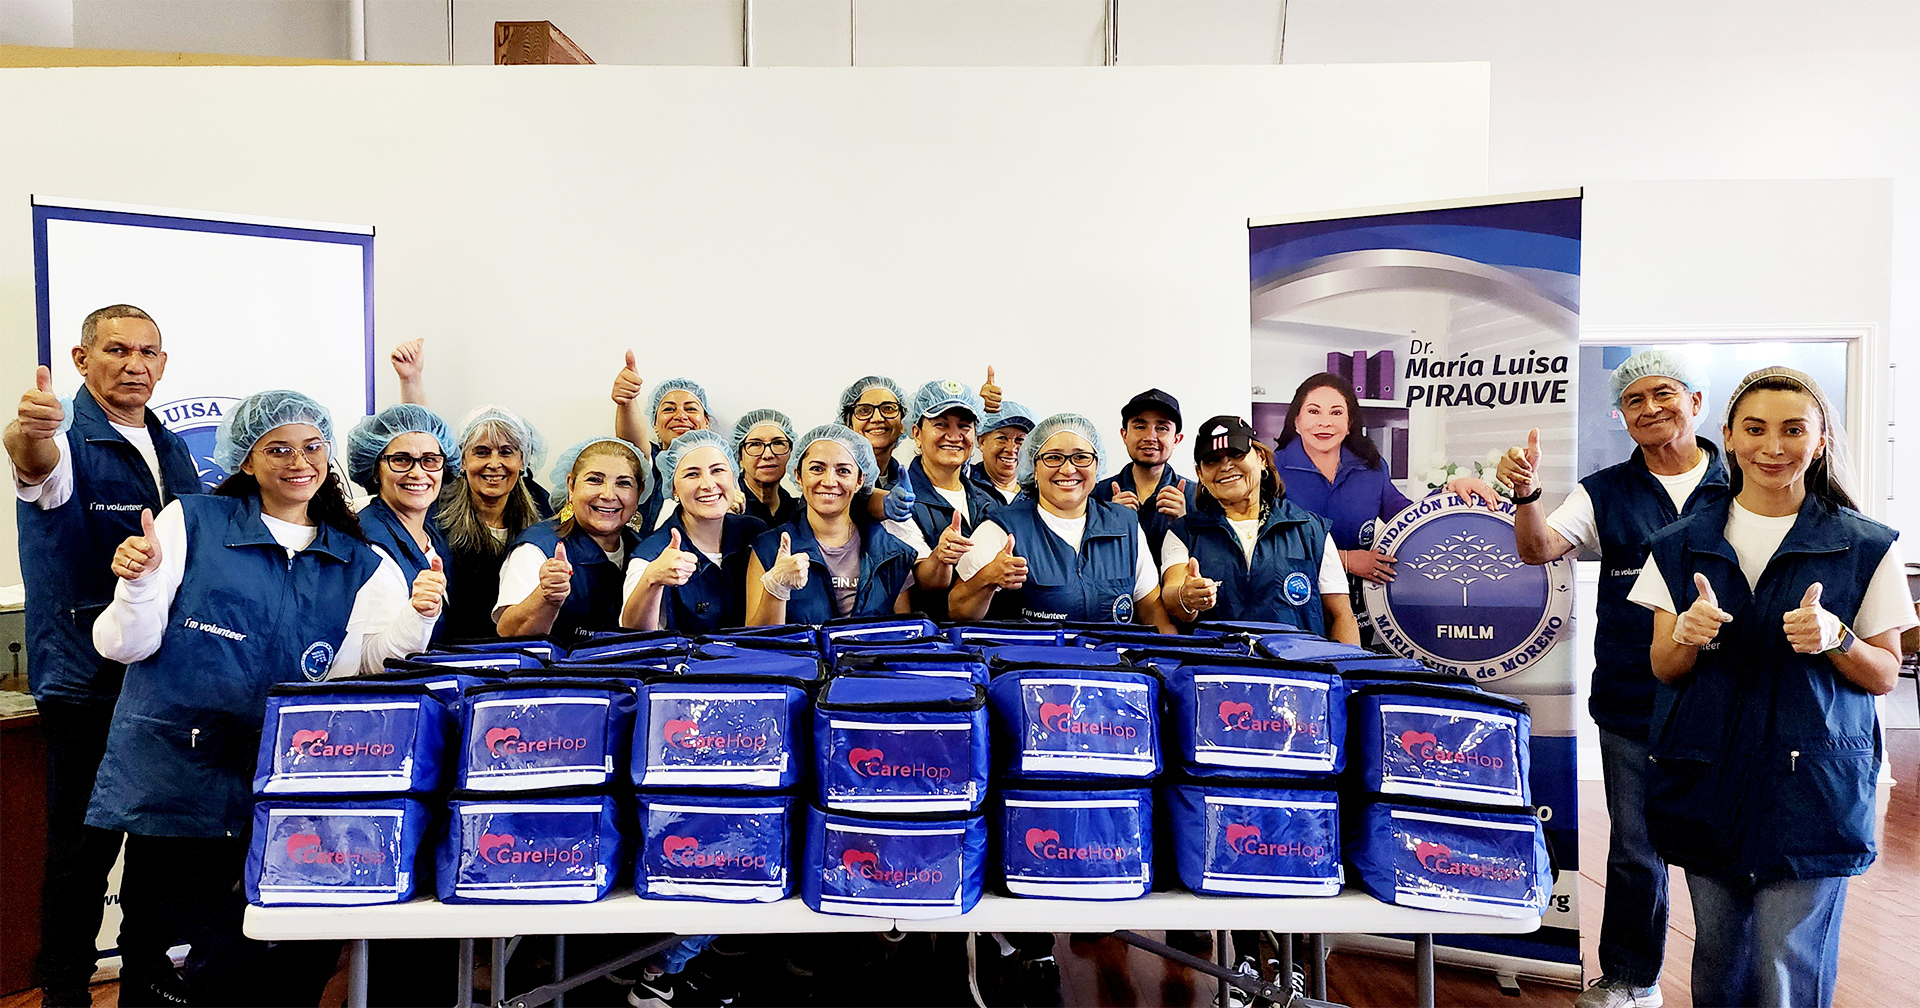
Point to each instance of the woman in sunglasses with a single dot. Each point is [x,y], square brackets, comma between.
[402,455]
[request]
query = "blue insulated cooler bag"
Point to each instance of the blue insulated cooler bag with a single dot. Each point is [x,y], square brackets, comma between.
[875,628]
[350,737]
[472,661]
[797,668]
[1250,717]
[965,663]
[1305,647]
[539,647]
[313,852]
[843,650]
[527,734]
[748,647]
[1076,722]
[719,732]
[449,685]
[1250,627]
[1449,742]
[723,848]
[562,846]
[1076,842]
[915,867]
[993,633]
[1016,656]
[897,744]
[1456,856]
[1255,837]
[792,633]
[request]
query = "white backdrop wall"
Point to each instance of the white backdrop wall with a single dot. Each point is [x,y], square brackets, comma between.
[774,233]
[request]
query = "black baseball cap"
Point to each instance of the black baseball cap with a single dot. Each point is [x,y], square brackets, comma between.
[1223,435]
[1152,399]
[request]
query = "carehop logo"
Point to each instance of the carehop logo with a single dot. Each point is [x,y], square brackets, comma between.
[507,741]
[503,849]
[681,734]
[305,848]
[1423,746]
[1244,839]
[1058,717]
[1438,859]
[313,742]
[685,852]
[873,763]
[1045,844]
[1239,716]
[866,865]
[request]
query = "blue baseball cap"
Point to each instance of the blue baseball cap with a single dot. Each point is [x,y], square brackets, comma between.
[941,396]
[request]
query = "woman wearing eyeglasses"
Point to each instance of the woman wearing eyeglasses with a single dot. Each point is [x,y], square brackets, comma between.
[874,407]
[400,455]
[762,446]
[1055,553]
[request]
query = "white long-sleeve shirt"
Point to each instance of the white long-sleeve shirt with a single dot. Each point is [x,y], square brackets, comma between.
[382,625]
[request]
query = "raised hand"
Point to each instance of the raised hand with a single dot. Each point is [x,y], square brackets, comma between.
[409,359]
[674,566]
[627,384]
[1368,565]
[789,570]
[1007,569]
[139,555]
[556,577]
[953,544]
[1517,465]
[897,504]
[430,588]
[40,411]
[990,393]
[1126,498]
[1700,624]
[1172,499]
[1811,629]
[1198,594]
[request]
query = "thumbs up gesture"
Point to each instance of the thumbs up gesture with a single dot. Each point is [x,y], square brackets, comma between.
[990,393]
[1700,624]
[430,588]
[1198,594]
[1811,629]
[1007,569]
[897,504]
[952,545]
[789,571]
[556,577]
[139,555]
[626,384]
[40,412]
[1172,499]
[1517,465]
[674,566]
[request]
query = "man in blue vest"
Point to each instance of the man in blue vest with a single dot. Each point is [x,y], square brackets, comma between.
[1615,513]
[1149,429]
[82,475]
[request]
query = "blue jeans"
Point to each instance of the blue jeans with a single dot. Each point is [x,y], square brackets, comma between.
[1633,923]
[1774,945]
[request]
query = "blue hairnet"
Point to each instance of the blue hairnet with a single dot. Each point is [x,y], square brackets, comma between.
[1049,427]
[678,385]
[942,396]
[1665,363]
[666,461]
[756,418]
[1011,414]
[563,468]
[862,451]
[247,423]
[851,397]
[533,447]
[369,439]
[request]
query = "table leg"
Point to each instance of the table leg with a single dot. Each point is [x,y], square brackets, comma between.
[1317,948]
[498,992]
[1285,974]
[357,973]
[1221,958]
[559,968]
[1423,970]
[463,984]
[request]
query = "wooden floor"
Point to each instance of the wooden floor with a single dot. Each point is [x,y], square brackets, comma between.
[1879,950]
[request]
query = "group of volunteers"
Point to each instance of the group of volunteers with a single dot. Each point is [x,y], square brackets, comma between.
[158,615]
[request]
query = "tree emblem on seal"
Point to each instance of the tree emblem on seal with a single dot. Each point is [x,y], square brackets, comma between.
[1463,559]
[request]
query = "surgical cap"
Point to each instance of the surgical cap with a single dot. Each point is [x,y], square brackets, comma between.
[937,397]
[859,388]
[677,385]
[756,418]
[854,443]
[1011,414]
[533,447]
[1048,428]
[667,460]
[563,468]
[1665,363]
[259,413]
[370,437]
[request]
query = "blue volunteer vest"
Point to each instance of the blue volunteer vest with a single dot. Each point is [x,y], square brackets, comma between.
[1092,585]
[715,597]
[181,750]
[385,530]
[932,514]
[1764,759]
[787,510]
[885,565]
[596,599]
[66,553]
[1281,585]
[1629,506]
[1152,522]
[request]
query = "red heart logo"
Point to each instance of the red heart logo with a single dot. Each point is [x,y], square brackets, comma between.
[1229,710]
[1051,711]
[495,736]
[675,844]
[1239,833]
[676,730]
[491,843]
[1036,837]
[304,736]
[1411,740]
[849,858]
[1430,853]
[858,757]
[301,840]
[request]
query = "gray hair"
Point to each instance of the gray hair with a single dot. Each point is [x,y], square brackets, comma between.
[90,326]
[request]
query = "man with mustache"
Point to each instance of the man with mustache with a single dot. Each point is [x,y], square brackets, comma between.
[82,476]
[1614,513]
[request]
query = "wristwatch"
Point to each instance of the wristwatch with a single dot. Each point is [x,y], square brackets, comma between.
[1845,643]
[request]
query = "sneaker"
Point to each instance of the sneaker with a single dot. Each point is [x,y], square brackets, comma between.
[1040,983]
[1606,993]
[1238,997]
[675,991]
